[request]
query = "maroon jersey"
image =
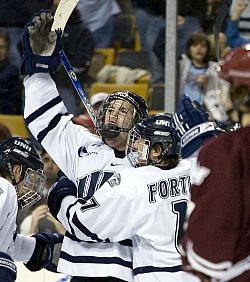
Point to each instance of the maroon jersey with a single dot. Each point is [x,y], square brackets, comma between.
[217,239]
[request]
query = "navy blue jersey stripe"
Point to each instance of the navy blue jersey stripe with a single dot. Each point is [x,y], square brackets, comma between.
[126,243]
[68,217]
[247,19]
[53,123]
[148,269]
[43,109]
[244,29]
[84,229]
[96,260]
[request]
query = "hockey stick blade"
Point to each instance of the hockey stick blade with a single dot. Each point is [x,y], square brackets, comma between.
[62,14]
[77,85]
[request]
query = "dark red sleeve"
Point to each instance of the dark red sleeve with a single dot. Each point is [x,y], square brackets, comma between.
[219,226]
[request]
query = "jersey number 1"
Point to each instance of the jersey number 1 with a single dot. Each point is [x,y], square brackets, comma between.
[179,208]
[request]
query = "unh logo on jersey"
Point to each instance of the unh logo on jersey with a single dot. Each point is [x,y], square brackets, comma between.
[82,152]
[115,180]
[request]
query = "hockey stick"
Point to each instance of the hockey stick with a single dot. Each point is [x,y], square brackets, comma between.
[78,87]
[221,15]
[62,14]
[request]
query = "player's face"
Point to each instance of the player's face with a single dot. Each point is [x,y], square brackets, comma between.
[30,188]
[118,143]
[137,149]
[141,146]
[120,113]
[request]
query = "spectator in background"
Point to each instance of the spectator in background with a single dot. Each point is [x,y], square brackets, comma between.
[13,19]
[186,25]
[224,47]
[150,19]
[244,20]
[84,119]
[13,16]
[212,11]
[4,133]
[38,218]
[10,84]
[198,78]
[99,16]
[195,68]
[232,28]
[197,9]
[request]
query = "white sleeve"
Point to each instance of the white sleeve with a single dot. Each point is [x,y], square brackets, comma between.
[23,248]
[106,216]
[25,225]
[8,213]
[47,118]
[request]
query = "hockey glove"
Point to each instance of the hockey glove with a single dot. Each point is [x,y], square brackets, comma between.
[7,268]
[192,126]
[44,255]
[41,46]
[61,188]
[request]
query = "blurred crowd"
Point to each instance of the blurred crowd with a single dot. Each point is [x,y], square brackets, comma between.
[97,25]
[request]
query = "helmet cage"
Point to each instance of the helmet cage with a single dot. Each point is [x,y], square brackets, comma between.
[17,151]
[32,188]
[109,115]
[146,134]
[132,109]
[137,149]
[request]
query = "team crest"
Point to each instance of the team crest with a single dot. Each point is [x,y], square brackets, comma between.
[115,180]
[82,152]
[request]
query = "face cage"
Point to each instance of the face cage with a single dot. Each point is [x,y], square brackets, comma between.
[31,191]
[137,149]
[111,128]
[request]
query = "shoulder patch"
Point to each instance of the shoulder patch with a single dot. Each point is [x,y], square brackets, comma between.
[82,152]
[1,191]
[115,180]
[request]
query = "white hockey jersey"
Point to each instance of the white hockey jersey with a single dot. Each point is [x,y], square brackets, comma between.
[146,204]
[18,246]
[86,161]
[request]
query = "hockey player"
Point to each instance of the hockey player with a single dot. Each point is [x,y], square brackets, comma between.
[21,183]
[217,240]
[146,203]
[88,160]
